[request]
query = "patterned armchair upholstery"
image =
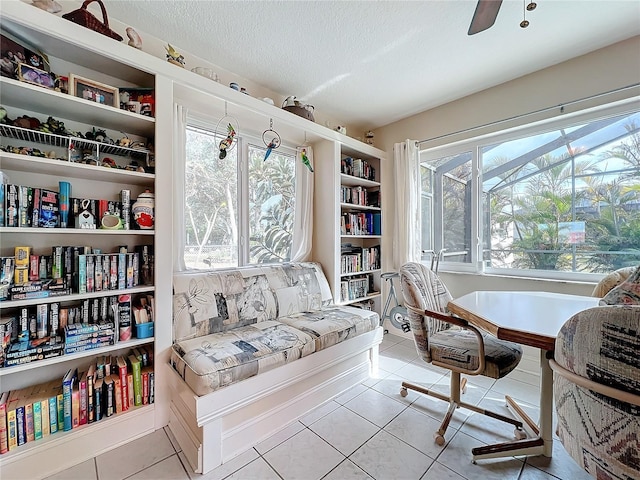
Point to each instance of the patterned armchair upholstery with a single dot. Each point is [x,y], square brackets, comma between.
[597,390]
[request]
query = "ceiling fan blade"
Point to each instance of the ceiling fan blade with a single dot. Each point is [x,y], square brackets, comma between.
[484,16]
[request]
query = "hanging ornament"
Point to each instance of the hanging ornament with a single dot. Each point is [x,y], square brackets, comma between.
[226,144]
[271,139]
[305,159]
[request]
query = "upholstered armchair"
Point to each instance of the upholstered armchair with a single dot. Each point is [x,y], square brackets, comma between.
[597,390]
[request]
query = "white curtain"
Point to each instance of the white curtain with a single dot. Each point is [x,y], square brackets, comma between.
[303,217]
[407,232]
[179,162]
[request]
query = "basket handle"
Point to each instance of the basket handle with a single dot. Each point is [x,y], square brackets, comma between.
[105,20]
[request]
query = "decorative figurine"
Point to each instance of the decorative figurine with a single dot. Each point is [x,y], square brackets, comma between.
[135,40]
[369,137]
[305,159]
[50,6]
[270,146]
[173,56]
[226,142]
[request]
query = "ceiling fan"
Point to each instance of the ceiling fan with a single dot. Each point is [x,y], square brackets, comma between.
[484,16]
[487,11]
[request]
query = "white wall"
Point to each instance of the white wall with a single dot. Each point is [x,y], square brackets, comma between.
[598,72]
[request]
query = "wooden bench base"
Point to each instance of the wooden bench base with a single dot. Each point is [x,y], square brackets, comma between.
[214,428]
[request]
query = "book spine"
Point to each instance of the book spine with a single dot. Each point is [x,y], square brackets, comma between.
[117,393]
[46,422]
[83,401]
[12,429]
[28,418]
[90,399]
[82,274]
[145,387]
[75,407]
[60,405]
[84,348]
[53,414]
[37,420]
[152,387]
[131,401]
[83,328]
[21,425]
[67,394]
[4,441]
[97,402]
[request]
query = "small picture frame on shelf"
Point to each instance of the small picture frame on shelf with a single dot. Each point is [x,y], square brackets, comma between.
[93,91]
[35,76]
[13,52]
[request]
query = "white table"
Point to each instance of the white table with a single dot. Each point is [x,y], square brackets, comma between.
[527,318]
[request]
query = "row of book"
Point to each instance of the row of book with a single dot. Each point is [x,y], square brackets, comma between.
[69,269]
[37,332]
[108,386]
[355,287]
[25,206]
[359,223]
[360,196]
[357,167]
[359,259]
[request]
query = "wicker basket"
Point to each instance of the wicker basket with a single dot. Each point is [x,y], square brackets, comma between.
[300,111]
[82,17]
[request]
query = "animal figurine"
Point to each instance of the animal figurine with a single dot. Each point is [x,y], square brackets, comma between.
[272,144]
[173,56]
[305,159]
[135,40]
[226,142]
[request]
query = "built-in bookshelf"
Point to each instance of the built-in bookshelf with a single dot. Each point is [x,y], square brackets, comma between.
[348,229]
[105,176]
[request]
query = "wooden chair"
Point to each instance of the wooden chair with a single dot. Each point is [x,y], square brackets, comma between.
[450,342]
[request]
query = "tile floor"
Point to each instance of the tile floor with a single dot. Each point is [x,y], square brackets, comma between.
[368,432]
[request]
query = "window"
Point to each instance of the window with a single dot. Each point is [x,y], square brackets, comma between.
[234,218]
[566,199]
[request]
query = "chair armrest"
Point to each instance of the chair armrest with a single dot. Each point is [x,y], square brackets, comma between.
[448,318]
[602,344]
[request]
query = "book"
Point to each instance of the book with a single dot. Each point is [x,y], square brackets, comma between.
[97,398]
[108,396]
[25,205]
[49,211]
[4,443]
[145,383]
[11,205]
[46,421]
[90,397]
[60,405]
[130,393]
[21,422]
[67,393]
[152,387]
[122,373]
[12,425]
[117,393]
[83,407]
[28,419]
[137,379]
[37,418]
[75,407]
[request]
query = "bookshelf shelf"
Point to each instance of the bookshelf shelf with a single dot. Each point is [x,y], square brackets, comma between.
[351,274]
[75,356]
[14,161]
[73,231]
[360,207]
[75,296]
[360,236]
[351,181]
[372,295]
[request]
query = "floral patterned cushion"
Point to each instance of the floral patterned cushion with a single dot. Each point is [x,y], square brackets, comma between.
[333,324]
[627,293]
[212,361]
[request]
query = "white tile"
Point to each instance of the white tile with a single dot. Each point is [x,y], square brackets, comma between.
[224,470]
[135,456]
[401,351]
[436,409]
[517,390]
[82,471]
[390,340]
[457,457]
[304,456]
[280,436]
[351,393]
[375,407]
[440,472]
[417,373]
[375,378]
[390,364]
[391,386]
[560,465]
[526,377]
[418,430]
[473,394]
[168,469]
[345,430]
[384,456]
[347,470]
[532,473]
[256,470]
[319,412]
[480,380]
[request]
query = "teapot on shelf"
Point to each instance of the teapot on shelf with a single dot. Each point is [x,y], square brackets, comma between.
[291,104]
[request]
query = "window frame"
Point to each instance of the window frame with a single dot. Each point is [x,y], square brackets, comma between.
[244,140]
[474,145]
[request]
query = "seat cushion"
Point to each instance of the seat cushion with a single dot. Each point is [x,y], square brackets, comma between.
[627,293]
[333,324]
[216,360]
[459,348]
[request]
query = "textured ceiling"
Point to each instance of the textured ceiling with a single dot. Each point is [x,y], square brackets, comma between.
[372,63]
